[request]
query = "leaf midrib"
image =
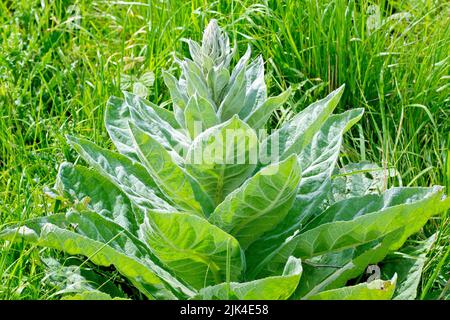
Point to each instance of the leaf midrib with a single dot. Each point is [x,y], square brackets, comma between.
[264,212]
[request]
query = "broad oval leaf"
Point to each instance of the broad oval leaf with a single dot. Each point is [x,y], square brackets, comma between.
[333,270]
[149,109]
[78,183]
[199,115]
[128,175]
[198,252]
[104,243]
[359,220]
[171,179]
[270,288]
[358,179]
[173,140]
[117,116]
[260,203]
[223,157]
[317,160]
[295,135]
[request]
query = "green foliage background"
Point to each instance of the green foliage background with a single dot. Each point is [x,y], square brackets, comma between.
[61,60]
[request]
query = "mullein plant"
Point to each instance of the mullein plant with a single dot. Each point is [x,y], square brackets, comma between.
[183,213]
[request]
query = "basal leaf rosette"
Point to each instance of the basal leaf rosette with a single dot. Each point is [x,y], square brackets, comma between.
[202,202]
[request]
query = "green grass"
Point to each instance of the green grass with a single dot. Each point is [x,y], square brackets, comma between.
[61,60]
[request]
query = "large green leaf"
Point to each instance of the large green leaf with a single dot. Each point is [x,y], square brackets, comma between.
[296,135]
[117,116]
[104,243]
[128,175]
[221,158]
[359,220]
[197,251]
[263,261]
[171,179]
[260,203]
[333,270]
[358,179]
[175,141]
[199,115]
[270,288]
[317,161]
[319,158]
[149,110]
[79,183]
[374,290]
